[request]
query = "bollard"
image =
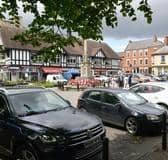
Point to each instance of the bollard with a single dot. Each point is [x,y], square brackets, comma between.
[106,149]
[77,86]
[164,132]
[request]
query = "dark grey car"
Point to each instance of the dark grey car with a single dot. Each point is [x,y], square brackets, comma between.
[122,108]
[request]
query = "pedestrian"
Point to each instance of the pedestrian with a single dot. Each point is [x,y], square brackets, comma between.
[126,82]
[121,81]
[130,80]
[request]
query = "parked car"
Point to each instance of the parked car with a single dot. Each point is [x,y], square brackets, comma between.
[56,79]
[155,92]
[141,78]
[38,124]
[122,108]
[102,78]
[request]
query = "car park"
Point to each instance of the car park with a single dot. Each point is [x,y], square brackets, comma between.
[38,124]
[122,108]
[154,92]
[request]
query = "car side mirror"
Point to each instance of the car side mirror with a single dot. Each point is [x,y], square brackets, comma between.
[3,114]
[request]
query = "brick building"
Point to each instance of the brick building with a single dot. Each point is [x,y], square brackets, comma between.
[137,55]
[160,59]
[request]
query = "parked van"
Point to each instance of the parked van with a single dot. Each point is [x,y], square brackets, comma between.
[56,78]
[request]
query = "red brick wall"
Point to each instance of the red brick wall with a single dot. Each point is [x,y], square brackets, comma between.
[125,57]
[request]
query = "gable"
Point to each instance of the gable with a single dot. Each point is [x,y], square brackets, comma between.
[100,54]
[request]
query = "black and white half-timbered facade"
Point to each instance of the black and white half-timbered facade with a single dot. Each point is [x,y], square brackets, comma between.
[19,61]
[15,58]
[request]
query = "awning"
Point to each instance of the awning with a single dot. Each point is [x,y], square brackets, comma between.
[73,70]
[51,70]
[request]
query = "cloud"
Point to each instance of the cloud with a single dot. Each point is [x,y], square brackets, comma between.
[140,29]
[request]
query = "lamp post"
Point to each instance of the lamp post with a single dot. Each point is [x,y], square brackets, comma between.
[85,66]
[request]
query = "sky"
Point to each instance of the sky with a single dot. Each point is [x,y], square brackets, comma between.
[127,30]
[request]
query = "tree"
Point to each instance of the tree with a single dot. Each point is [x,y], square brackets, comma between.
[83,17]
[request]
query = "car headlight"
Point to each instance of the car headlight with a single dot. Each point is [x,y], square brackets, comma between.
[152,117]
[51,139]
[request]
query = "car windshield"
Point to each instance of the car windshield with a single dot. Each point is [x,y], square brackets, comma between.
[131,98]
[37,102]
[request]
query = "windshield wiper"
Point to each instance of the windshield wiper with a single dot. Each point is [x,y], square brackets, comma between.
[56,109]
[29,113]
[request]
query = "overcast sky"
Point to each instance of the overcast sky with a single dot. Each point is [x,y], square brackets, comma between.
[127,30]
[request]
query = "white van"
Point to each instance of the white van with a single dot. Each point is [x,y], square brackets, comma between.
[56,78]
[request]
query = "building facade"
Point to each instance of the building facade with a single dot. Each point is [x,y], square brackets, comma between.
[137,57]
[160,60]
[19,61]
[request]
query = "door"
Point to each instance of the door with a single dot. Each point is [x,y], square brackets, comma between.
[93,102]
[5,134]
[110,108]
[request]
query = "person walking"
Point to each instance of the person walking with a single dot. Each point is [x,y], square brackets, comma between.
[112,82]
[126,82]
[130,80]
[121,81]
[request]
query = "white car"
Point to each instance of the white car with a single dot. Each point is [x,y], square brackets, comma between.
[56,78]
[102,78]
[154,92]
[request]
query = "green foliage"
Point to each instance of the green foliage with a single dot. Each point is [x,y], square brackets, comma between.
[82,17]
[14,83]
[43,84]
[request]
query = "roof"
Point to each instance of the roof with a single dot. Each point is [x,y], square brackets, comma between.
[113,90]
[92,48]
[163,50]
[159,84]
[8,31]
[20,89]
[133,45]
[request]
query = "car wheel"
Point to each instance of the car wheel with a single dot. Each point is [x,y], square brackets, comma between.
[25,153]
[132,126]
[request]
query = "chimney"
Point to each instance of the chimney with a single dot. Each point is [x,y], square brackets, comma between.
[154,38]
[166,40]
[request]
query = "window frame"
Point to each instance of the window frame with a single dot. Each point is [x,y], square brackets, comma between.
[103,98]
[94,99]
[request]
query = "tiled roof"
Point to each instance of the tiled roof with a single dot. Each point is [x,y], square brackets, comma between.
[7,32]
[92,48]
[163,50]
[133,45]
